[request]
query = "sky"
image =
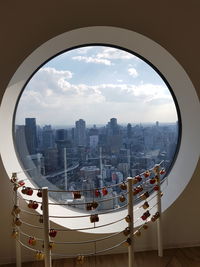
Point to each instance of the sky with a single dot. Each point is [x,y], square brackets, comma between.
[96,83]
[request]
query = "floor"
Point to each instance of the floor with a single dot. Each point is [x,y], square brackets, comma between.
[181,257]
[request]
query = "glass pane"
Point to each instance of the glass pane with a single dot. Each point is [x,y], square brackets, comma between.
[89,118]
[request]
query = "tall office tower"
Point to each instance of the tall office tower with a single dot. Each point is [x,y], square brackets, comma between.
[47,137]
[80,133]
[31,135]
[114,126]
[20,142]
[50,160]
[114,138]
[61,134]
[129,130]
[93,137]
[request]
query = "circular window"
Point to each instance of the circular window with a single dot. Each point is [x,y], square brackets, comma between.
[112,39]
[89,118]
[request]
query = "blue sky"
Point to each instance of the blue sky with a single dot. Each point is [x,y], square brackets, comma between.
[96,83]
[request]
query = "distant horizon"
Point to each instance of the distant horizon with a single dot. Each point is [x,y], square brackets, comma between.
[99,124]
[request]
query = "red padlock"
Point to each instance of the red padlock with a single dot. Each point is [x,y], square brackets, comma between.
[139,178]
[147,174]
[24,190]
[52,233]
[162,171]
[144,217]
[77,194]
[156,188]
[140,188]
[34,205]
[39,193]
[21,183]
[152,181]
[30,204]
[104,191]
[29,191]
[97,193]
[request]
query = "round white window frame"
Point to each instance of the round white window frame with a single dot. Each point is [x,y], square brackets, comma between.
[178,79]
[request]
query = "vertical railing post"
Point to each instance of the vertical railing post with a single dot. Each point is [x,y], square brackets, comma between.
[65,167]
[131,223]
[159,209]
[46,224]
[18,245]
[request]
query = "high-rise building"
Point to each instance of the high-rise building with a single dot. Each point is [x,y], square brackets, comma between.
[112,127]
[61,134]
[31,135]
[94,140]
[47,137]
[20,142]
[50,160]
[129,130]
[61,144]
[80,133]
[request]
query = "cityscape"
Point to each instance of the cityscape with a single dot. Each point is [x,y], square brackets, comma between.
[86,157]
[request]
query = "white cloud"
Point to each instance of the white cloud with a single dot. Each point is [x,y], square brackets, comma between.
[113,53]
[92,59]
[58,73]
[103,57]
[53,85]
[52,98]
[49,92]
[133,72]
[84,50]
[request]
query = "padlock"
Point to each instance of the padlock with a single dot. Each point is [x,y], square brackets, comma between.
[123,186]
[127,243]
[94,218]
[77,194]
[39,193]
[145,205]
[52,233]
[104,191]
[80,259]
[126,231]
[122,198]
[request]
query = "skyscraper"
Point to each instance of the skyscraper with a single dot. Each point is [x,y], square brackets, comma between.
[47,137]
[31,135]
[129,130]
[61,135]
[80,133]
